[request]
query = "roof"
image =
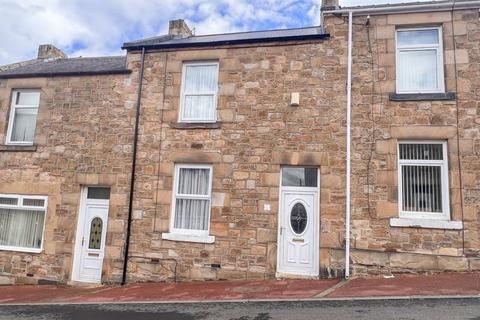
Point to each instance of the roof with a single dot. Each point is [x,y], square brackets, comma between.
[68,67]
[167,41]
[407,7]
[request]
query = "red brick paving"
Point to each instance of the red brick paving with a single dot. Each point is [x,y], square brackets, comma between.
[184,291]
[433,285]
[443,284]
[221,290]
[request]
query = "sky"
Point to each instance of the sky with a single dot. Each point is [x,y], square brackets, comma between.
[98,28]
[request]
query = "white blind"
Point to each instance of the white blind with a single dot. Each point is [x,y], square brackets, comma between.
[421,168]
[21,228]
[419,65]
[422,188]
[200,92]
[192,204]
[417,70]
[24,116]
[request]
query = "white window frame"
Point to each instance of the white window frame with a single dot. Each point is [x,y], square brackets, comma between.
[189,234]
[440,66]
[11,119]
[20,206]
[445,214]
[183,93]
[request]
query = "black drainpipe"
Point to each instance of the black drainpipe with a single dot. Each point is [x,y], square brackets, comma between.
[134,162]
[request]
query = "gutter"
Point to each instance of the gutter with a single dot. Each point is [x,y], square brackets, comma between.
[409,8]
[134,163]
[62,74]
[348,169]
[319,36]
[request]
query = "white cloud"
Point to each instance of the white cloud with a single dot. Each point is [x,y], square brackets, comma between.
[92,27]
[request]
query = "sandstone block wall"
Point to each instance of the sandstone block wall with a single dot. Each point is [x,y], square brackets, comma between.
[83,137]
[85,131]
[378,124]
[258,133]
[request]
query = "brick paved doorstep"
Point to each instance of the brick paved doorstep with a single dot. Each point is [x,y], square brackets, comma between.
[425,285]
[442,284]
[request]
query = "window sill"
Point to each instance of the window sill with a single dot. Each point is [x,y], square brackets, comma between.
[17,148]
[422,96]
[426,223]
[20,249]
[196,125]
[187,238]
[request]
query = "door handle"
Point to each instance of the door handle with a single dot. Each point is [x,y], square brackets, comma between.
[83,240]
[281,230]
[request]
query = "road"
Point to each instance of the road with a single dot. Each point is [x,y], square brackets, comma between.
[437,309]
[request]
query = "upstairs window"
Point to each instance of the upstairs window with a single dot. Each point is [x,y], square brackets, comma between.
[423,180]
[22,222]
[199,92]
[192,197]
[23,117]
[420,60]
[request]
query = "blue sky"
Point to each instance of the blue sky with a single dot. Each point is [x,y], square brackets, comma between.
[96,28]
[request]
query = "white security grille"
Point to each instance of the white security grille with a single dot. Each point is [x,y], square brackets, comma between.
[423,187]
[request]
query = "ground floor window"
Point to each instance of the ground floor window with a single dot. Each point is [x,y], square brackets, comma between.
[423,179]
[192,198]
[22,222]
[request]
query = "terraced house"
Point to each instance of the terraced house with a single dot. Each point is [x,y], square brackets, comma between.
[345,149]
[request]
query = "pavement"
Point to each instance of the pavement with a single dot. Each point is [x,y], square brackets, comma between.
[439,285]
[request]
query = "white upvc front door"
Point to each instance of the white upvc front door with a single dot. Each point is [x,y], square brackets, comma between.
[298,245]
[91,235]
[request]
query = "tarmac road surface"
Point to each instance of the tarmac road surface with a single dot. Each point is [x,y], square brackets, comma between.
[406,309]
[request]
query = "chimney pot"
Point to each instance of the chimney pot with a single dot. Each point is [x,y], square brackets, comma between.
[49,51]
[179,29]
[330,5]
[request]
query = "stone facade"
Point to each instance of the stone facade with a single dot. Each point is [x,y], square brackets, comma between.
[258,133]
[83,137]
[85,132]
[379,123]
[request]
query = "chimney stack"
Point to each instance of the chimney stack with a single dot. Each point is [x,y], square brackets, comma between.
[179,29]
[330,5]
[49,51]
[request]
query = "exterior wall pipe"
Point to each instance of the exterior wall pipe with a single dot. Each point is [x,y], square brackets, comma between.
[349,107]
[134,164]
